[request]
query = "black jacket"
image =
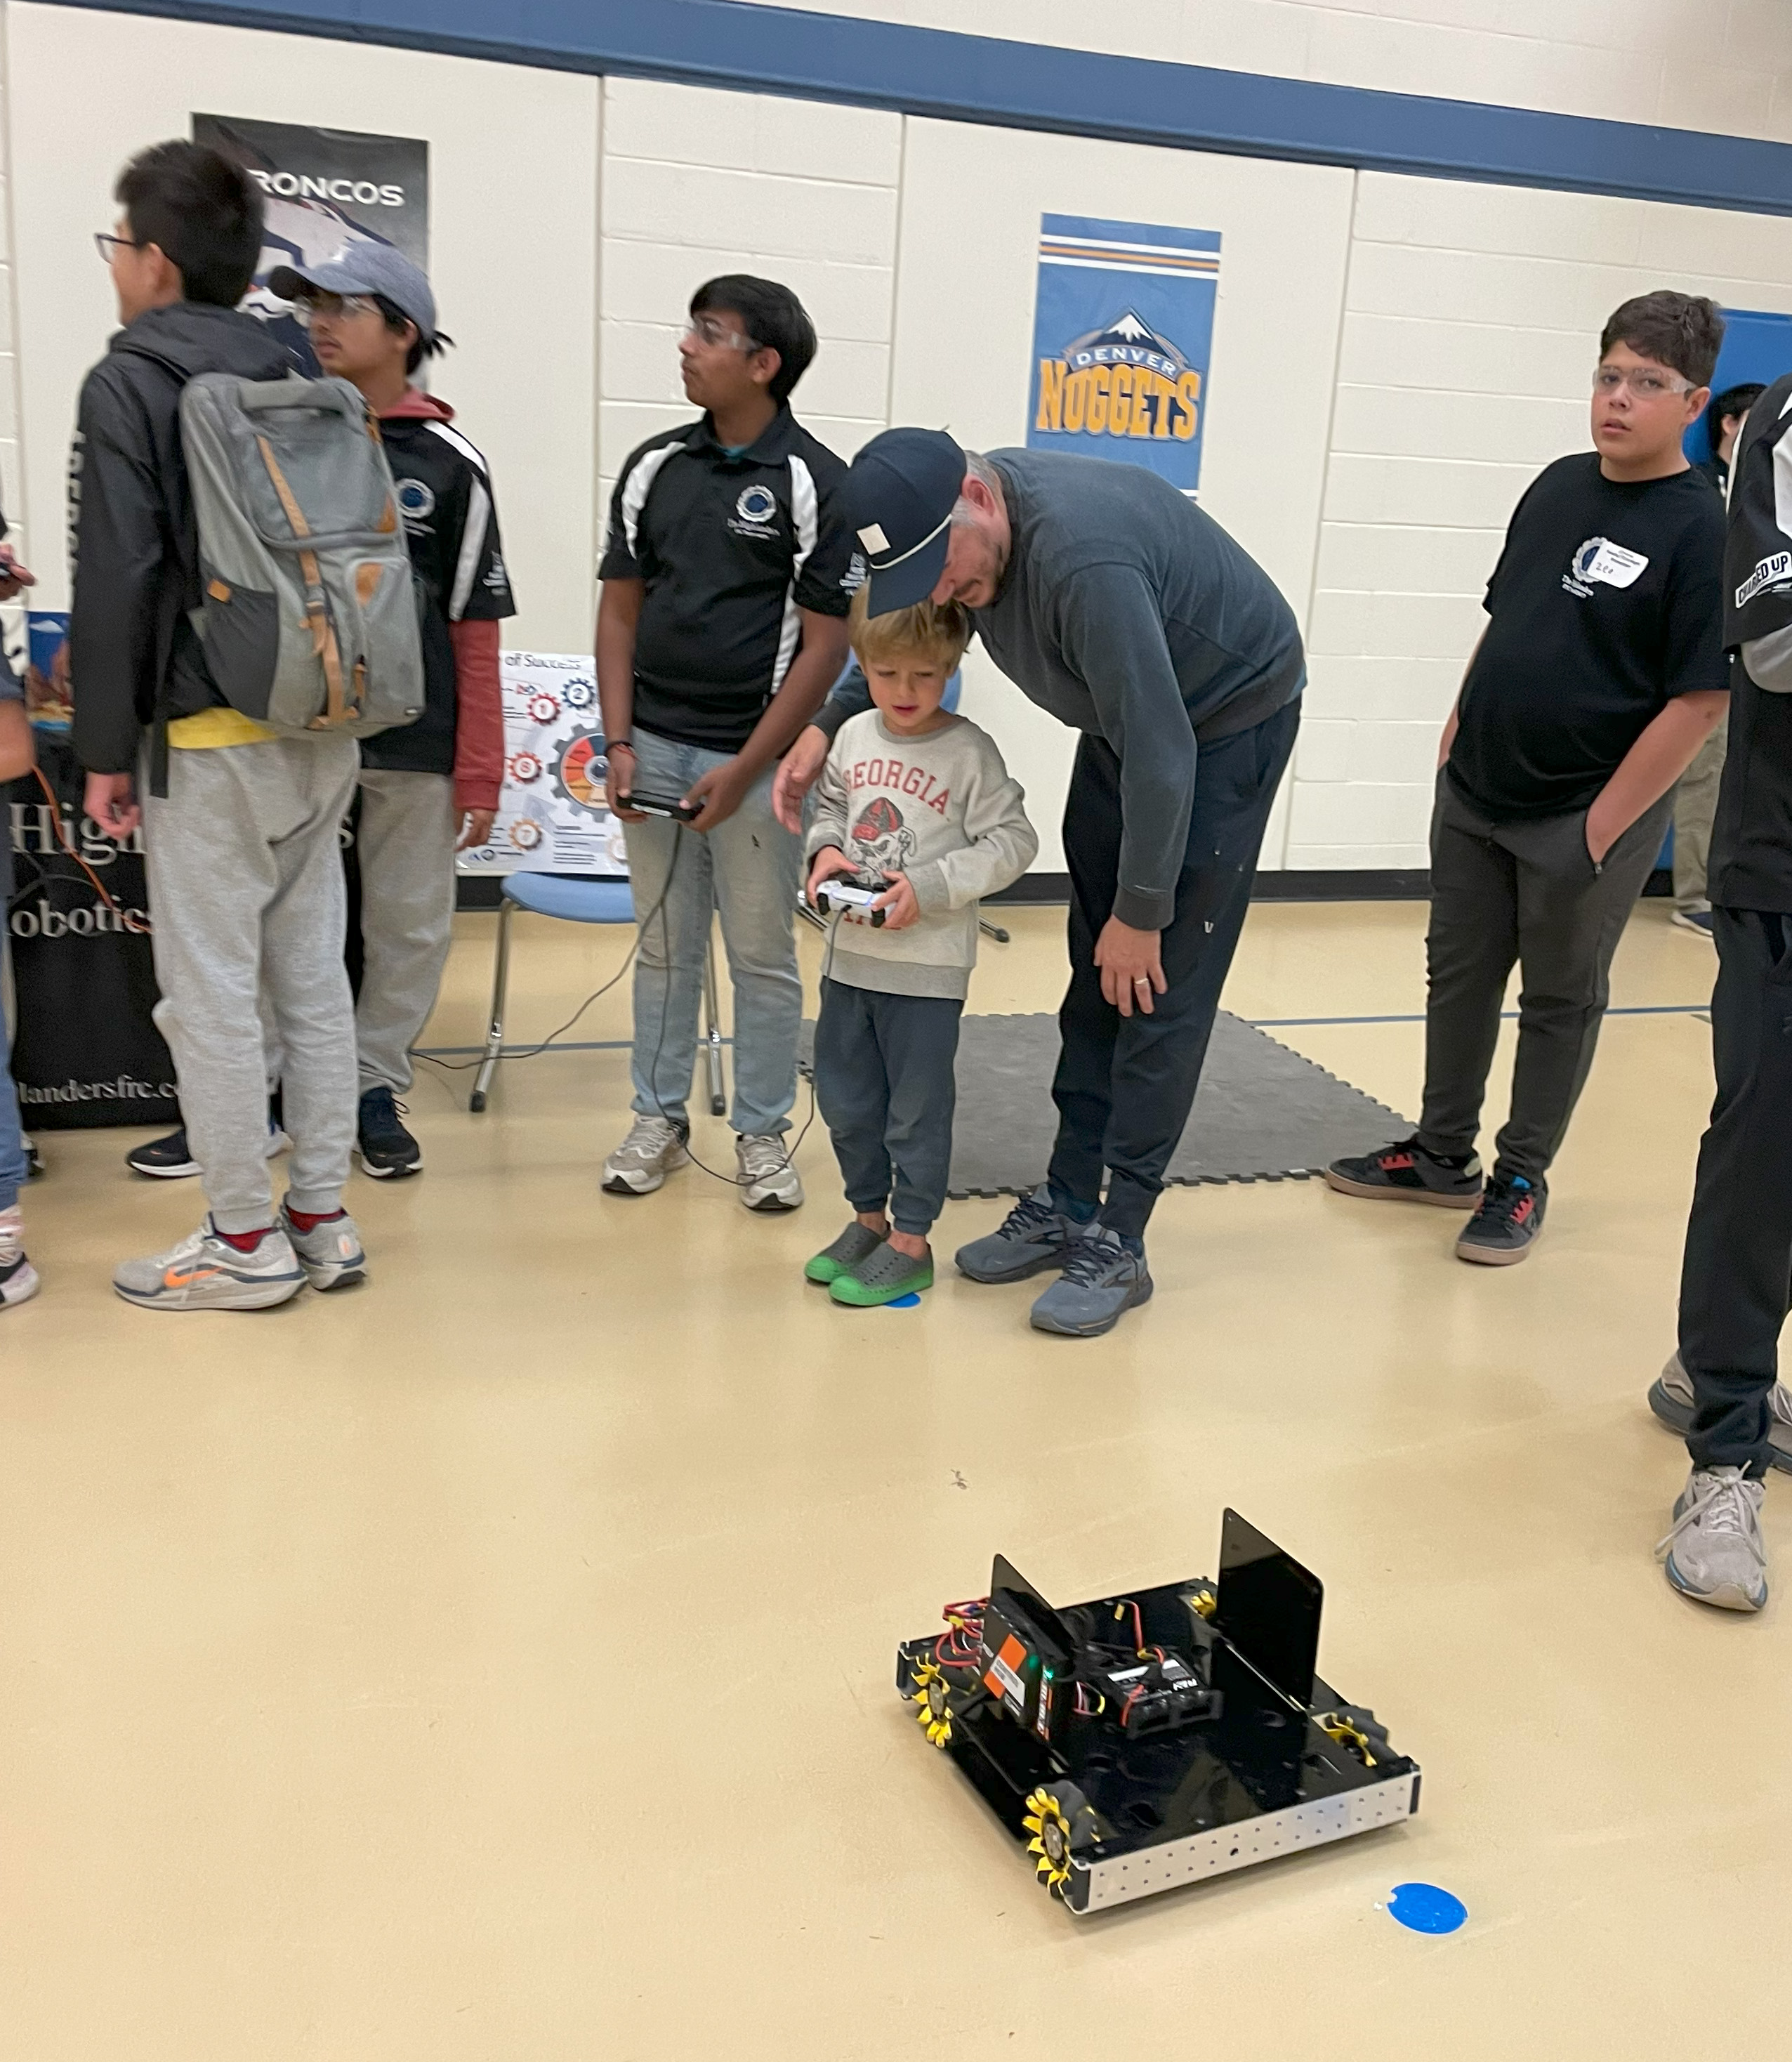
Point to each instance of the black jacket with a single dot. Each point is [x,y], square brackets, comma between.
[134,655]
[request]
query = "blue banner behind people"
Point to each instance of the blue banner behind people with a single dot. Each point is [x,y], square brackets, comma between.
[1123,330]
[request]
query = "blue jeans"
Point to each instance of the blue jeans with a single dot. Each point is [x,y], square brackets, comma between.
[750,868]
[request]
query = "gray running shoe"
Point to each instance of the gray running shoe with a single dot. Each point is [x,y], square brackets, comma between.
[18,1278]
[1102,1279]
[1670,1398]
[206,1272]
[654,1147]
[768,1180]
[329,1252]
[1033,1235]
[1714,1552]
[857,1242]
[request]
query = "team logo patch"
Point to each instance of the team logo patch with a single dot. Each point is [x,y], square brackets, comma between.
[1601,562]
[416,499]
[756,504]
[1124,379]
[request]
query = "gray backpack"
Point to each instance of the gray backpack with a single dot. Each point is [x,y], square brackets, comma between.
[308,617]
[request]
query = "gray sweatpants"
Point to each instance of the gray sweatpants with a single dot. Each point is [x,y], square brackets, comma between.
[246,895]
[1695,809]
[409,823]
[1527,893]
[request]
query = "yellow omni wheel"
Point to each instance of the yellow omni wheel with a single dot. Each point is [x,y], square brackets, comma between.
[932,1713]
[1050,1845]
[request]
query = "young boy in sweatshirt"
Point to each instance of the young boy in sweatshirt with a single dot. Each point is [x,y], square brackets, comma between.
[917,801]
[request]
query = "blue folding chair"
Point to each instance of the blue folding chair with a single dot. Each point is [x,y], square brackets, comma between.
[582,899]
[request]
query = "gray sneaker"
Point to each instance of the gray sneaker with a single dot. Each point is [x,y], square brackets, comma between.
[1033,1235]
[206,1272]
[329,1252]
[1714,1552]
[768,1180]
[1102,1279]
[654,1147]
[1670,1398]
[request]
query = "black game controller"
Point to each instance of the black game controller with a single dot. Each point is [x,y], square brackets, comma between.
[672,806]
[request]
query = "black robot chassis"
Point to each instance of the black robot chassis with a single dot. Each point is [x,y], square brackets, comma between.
[1158,1737]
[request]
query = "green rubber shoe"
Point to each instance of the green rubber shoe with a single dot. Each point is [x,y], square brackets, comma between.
[857,1242]
[881,1278]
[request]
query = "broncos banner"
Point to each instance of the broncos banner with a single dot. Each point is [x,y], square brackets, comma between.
[1122,334]
[323,188]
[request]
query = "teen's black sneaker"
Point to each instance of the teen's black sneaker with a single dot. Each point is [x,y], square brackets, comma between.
[1034,1235]
[1502,1230]
[171,1158]
[1406,1173]
[384,1148]
[1103,1278]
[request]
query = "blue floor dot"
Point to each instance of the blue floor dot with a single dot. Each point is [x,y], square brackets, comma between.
[911,1302]
[1426,1908]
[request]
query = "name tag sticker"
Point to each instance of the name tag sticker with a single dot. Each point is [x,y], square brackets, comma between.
[1599,559]
[873,539]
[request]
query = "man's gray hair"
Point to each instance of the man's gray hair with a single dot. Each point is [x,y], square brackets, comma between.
[979,467]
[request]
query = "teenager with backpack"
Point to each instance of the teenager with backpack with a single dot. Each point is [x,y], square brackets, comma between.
[240,822]
[430,787]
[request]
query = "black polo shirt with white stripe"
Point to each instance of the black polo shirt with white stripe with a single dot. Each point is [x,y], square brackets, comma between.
[729,546]
[444,494]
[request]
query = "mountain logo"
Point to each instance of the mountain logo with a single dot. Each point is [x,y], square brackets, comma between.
[1123,379]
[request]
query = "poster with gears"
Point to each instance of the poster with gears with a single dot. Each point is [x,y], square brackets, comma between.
[551,814]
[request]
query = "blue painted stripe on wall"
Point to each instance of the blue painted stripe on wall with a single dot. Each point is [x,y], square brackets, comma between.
[1029,86]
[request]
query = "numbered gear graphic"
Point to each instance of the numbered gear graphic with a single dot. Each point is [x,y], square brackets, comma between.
[543,708]
[525,834]
[932,1712]
[525,767]
[578,694]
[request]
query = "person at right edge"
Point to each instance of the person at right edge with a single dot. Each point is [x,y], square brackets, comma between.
[1600,674]
[1695,800]
[1721,1388]
[245,875]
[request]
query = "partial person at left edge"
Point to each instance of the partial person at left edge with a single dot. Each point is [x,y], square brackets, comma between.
[18,1279]
[240,830]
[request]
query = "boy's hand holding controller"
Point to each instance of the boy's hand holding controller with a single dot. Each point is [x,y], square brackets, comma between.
[899,906]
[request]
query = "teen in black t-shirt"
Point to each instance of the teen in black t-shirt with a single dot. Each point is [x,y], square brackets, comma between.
[1598,677]
[725,581]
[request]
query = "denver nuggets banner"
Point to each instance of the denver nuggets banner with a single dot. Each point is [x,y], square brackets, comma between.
[1121,340]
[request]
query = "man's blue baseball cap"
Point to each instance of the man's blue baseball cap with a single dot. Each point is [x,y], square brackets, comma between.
[364,268]
[900,491]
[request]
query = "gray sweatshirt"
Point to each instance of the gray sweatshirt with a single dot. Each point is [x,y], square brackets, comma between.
[1129,614]
[941,809]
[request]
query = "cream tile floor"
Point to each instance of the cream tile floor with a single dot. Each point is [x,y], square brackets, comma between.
[495,1664]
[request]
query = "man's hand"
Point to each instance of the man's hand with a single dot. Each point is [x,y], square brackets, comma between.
[797,773]
[14,577]
[721,791]
[475,829]
[619,783]
[828,861]
[111,799]
[1132,965]
[898,904]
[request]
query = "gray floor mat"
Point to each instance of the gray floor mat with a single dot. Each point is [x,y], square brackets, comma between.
[1263,1114]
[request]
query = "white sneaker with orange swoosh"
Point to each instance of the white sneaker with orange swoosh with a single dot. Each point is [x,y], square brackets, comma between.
[207,1273]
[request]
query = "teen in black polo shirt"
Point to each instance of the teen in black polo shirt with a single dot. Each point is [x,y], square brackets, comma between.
[727,580]
[1598,677]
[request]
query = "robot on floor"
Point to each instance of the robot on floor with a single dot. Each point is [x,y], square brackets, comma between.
[1159,1737]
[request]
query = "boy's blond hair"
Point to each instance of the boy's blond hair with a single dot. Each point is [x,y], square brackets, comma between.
[938,630]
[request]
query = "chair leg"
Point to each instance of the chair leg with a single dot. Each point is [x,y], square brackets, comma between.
[713,1035]
[495,1036]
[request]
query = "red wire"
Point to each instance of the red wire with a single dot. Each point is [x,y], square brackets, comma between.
[62,840]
